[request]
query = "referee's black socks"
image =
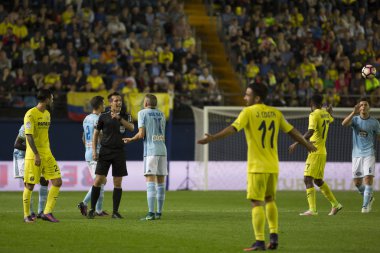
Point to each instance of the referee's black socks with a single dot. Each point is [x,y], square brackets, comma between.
[95,193]
[116,199]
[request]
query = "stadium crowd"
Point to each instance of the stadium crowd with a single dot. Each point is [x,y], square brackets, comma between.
[298,48]
[124,46]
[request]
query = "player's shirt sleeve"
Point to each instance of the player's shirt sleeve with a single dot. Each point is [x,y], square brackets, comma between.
[285,126]
[21,133]
[141,119]
[312,122]
[377,127]
[331,118]
[354,122]
[241,121]
[100,123]
[29,123]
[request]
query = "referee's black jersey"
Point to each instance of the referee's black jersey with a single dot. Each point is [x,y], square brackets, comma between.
[112,131]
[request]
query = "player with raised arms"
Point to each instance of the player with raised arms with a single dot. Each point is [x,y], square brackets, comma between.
[261,124]
[365,129]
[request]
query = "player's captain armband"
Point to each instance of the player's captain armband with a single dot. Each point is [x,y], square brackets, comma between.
[158,138]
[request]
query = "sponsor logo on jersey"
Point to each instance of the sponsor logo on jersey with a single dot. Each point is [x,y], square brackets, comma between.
[43,124]
[158,138]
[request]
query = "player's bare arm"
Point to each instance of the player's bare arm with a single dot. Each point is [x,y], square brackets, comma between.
[94,144]
[140,135]
[220,135]
[37,159]
[307,136]
[297,136]
[128,125]
[348,120]
[329,109]
[19,144]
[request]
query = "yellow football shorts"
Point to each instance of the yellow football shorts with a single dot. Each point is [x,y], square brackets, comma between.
[48,169]
[315,166]
[261,185]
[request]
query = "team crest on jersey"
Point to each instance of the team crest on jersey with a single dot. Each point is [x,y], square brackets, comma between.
[28,125]
[31,179]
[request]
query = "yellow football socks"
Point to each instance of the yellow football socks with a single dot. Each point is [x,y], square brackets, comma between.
[258,222]
[26,201]
[310,194]
[325,189]
[51,199]
[272,216]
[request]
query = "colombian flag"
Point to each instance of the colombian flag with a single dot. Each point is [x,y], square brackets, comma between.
[78,104]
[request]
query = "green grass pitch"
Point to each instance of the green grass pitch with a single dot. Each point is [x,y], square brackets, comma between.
[215,221]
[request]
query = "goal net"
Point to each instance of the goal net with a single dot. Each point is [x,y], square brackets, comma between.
[230,154]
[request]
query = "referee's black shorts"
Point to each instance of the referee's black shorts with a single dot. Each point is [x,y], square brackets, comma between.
[108,157]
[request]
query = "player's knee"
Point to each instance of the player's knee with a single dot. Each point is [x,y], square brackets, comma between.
[269,199]
[44,182]
[99,180]
[30,187]
[318,182]
[308,181]
[117,182]
[368,180]
[57,182]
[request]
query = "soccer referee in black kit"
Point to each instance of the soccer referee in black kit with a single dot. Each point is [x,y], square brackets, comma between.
[113,125]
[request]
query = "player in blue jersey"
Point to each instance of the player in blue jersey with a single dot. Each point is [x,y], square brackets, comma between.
[365,130]
[151,123]
[89,124]
[18,169]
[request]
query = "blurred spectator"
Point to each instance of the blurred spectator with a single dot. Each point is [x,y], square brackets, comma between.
[166,54]
[144,40]
[207,82]
[4,61]
[95,81]
[9,38]
[20,30]
[115,27]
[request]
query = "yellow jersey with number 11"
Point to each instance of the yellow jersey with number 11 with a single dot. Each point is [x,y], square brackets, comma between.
[261,124]
[319,121]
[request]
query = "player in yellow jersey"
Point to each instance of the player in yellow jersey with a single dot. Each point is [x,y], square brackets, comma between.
[38,158]
[319,121]
[261,124]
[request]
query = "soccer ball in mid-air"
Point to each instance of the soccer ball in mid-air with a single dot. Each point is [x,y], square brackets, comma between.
[368,71]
